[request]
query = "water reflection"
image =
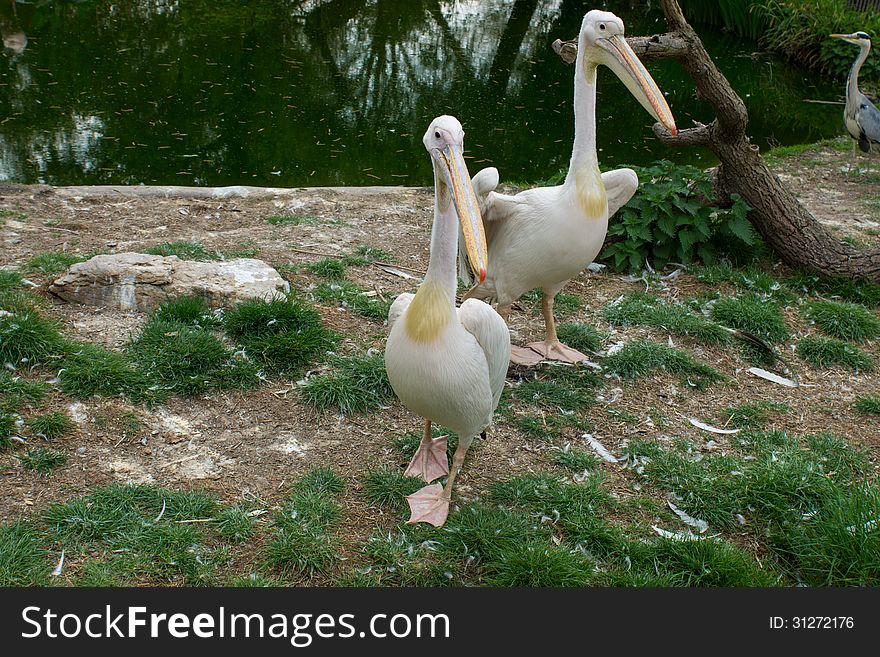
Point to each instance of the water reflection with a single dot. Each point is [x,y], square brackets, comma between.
[333,92]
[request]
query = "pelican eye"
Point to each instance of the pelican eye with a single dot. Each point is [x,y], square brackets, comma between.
[437,134]
[601,26]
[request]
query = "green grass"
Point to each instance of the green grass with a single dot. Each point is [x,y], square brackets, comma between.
[352,297]
[752,314]
[235,523]
[846,289]
[23,561]
[642,357]
[400,560]
[847,321]
[15,391]
[53,262]
[408,443]
[563,303]
[183,250]
[10,281]
[868,405]
[750,415]
[282,335]
[51,425]
[42,460]
[27,339]
[365,254]
[354,384]
[389,486]
[301,544]
[583,337]
[191,311]
[828,352]
[332,268]
[295,220]
[187,360]
[649,310]
[575,460]
[7,429]
[92,370]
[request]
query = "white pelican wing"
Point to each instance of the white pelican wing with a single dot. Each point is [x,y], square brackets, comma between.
[486,325]
[620,185]
[401,303]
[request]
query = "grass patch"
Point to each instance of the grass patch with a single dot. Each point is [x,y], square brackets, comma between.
[295,220]
[559,388]
[28,338]
[50,425]
[649,310]
[408,443]
[388,487]
[751,314]
[42,460]
[283,335]
[53,262]
[7,429]
[583,337]
[403,561]
[847,321]
[183,250]
[846,289]
[188,360]
[365,255]
[575,460]
[644,357]
[22,561]
[750,279]
[92,370]
[828,352]
[352,297]
[563,303]
[332,268]
[355,384]
[301,544]
[869,405]
[190,311]
[752,415]
[15,391]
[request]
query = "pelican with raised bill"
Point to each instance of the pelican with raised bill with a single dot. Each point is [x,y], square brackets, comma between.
[544,237]
[861,117]
[447,365]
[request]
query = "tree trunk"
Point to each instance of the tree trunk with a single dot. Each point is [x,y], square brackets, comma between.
[785,224]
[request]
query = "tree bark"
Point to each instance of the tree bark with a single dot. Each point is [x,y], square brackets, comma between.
[785,224]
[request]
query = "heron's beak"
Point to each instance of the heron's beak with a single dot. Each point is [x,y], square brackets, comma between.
[450,162]
[846,37]
[626,66]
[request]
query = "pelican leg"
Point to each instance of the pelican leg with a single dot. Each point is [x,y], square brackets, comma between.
[518,355]
[430,461]
[552,348]
[431,503]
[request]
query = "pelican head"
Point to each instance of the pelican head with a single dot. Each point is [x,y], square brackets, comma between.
[444,140]
[856,38]
[602,42]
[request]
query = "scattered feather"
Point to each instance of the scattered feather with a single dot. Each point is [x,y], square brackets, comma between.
[680,536]
[57,570]
[709,427]
[775,378]
[700,525]
[599,448]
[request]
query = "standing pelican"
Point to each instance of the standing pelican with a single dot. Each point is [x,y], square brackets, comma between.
[543,237]
[447,367]
[861,117]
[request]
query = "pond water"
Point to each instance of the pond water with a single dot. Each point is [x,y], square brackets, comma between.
[339,92]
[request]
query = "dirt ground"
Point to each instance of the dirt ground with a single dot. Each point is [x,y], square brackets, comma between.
[253,444]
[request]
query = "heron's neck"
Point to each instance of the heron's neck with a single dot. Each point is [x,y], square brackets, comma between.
[852,83]
[583,178]
[432,308]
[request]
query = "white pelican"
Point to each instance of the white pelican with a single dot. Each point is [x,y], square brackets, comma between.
[445,366]
[544,237]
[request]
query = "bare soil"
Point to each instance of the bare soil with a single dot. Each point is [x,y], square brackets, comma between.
[257,442]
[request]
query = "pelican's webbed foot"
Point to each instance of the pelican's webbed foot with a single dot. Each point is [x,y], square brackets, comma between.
[430,461]
[429,504]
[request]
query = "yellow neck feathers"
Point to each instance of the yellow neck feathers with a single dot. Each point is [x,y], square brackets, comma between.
[428,314]
[590,191]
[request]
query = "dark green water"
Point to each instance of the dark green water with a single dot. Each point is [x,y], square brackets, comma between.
[339,92]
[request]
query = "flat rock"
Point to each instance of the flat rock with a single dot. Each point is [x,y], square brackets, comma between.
[138,281]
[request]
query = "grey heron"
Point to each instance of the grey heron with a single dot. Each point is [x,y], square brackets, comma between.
[861,117]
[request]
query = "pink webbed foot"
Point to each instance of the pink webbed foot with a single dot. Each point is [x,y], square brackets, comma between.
[429,504]
[524,356]
[558,351]
[430,461]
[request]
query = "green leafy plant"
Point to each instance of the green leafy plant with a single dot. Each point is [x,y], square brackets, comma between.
[672,217]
